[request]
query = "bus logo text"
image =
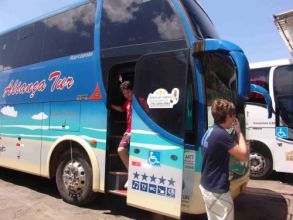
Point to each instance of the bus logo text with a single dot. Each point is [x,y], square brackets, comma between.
[16,87]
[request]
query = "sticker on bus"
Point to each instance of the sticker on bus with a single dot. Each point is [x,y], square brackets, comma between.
[154,158]
[162,99]
[282,132]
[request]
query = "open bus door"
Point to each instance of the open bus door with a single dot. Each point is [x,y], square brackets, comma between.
[157,139]
[1,147]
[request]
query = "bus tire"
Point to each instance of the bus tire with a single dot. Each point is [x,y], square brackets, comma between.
[261,164]
[74,179]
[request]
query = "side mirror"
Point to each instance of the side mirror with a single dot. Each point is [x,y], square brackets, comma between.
[236,53]
[265,93]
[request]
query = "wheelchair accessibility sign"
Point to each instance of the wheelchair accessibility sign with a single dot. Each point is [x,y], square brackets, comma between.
[154,158]
[282,132]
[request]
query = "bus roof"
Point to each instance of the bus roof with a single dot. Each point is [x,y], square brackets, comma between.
[48,14]
[270,63]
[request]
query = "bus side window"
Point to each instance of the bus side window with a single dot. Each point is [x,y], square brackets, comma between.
[29,44]
[8,47]
[130,23]
[70,32]
[63,34]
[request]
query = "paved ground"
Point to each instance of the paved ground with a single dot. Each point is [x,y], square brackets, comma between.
[267,200]
[26,197]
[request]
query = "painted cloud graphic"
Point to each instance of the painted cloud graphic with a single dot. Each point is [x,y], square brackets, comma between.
[9,111]
[40,116]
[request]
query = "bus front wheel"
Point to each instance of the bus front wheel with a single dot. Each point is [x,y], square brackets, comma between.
[74,179]
[261,165]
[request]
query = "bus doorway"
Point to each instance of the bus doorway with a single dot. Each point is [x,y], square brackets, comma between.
[117,121]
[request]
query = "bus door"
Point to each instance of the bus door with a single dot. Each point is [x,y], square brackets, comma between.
[21,136]
[1,147]
[283,98]
[157,135]
[225,74]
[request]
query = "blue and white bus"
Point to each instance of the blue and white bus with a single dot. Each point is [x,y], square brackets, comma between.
[60,73]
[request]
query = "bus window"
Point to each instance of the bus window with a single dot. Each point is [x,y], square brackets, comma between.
[8,49]
[260,77]
[151,84]
[1,53]
[125,23]
[220,80]
[67,33]
[22,47]
[283,92]
[70,32]
[29,44]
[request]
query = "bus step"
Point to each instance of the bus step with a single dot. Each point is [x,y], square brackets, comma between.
[117,180]
[117,127]
[114,162]
[116,136]
[114,141]
[118,116]
[120,192]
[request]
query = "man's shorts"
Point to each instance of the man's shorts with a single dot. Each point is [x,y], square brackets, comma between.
[219,206]
[125,141]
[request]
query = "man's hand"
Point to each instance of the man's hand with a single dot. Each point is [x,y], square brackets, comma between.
[237,126]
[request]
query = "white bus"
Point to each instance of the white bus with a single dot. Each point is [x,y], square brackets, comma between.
[271,139]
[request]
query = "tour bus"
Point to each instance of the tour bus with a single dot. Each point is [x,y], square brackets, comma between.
[271,140]
[60,73]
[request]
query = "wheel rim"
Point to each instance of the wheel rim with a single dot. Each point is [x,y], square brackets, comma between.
[257,164]
[74,177]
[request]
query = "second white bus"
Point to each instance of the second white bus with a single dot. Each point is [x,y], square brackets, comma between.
[271,139]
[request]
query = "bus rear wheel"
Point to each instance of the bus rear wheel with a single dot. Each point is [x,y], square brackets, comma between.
[74,179]
[261,165]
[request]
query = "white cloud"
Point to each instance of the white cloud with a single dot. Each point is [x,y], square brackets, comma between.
[169,28]
[40,116]
[70,22]
[9,111]
[121,11]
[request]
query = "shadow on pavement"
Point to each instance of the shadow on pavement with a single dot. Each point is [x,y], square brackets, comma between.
[252,204]
[109,204]
[36,183]
[260,204]
[117,206]
[282,177]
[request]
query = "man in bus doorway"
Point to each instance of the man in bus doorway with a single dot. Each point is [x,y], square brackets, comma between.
[127,91]
[217,146]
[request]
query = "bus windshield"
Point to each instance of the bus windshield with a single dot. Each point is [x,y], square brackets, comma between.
[202,24]
[220,79]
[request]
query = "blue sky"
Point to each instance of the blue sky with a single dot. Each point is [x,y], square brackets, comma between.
[248,23]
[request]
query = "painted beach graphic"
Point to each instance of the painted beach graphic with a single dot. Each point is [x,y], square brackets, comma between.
[48,122]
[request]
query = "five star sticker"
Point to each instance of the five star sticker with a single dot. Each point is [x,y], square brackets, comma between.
[153,178]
